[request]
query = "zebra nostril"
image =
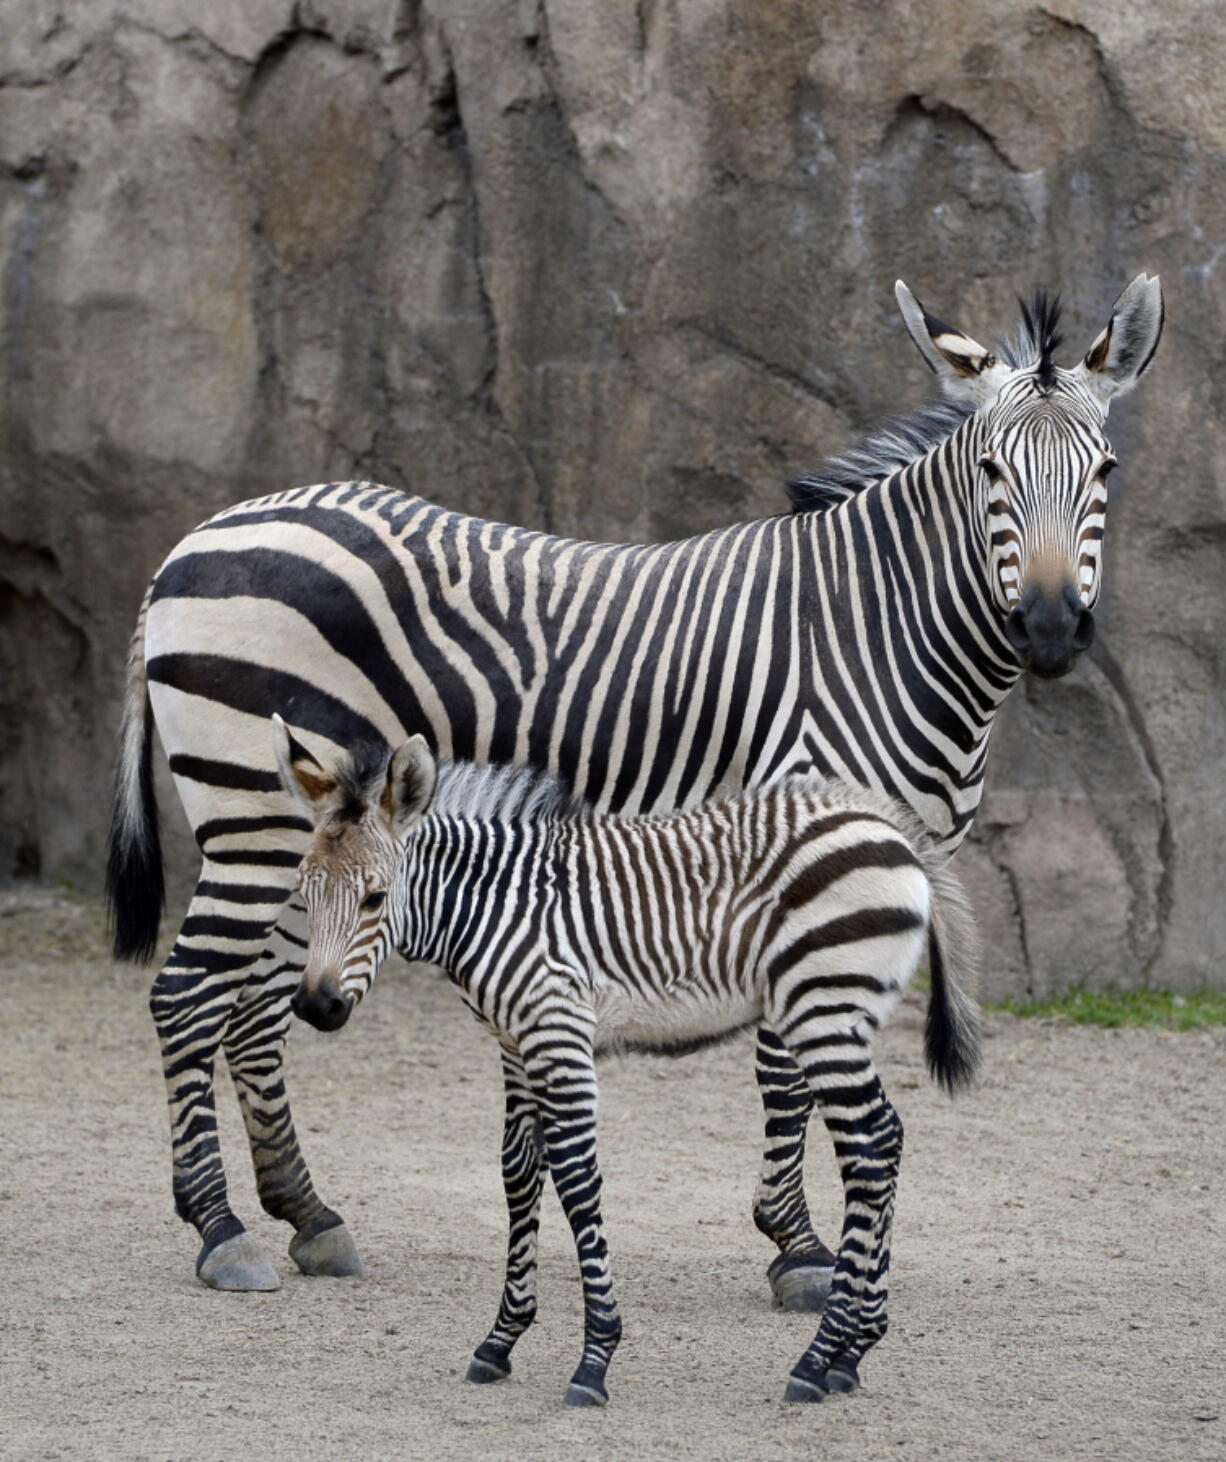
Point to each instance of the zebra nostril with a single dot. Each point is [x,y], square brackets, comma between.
[1083,635]
[1016,632]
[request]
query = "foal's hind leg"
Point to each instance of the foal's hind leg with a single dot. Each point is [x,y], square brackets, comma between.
[523,1178]
[255,1050]
[801,1273]
[867,1137]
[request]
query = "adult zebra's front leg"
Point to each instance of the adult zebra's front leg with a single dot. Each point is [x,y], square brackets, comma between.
[255,1052]
[192,1002]
[561,1071]
[523,1178]
[802,1272]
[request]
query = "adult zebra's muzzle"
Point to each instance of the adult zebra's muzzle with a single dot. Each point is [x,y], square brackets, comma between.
[322,1004]
[1049,630]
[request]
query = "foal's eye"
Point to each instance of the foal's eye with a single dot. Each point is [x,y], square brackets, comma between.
[990,470]
[1108,467]
[373,900]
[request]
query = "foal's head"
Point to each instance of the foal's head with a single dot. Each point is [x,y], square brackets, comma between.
[348,877]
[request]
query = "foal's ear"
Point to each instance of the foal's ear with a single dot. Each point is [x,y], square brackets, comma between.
[1125,346]
[966,370]
[312,786]
[409,788]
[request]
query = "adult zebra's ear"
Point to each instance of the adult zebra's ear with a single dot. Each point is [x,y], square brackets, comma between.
[311,785]
[409,788]
[966,370]
[1124,348]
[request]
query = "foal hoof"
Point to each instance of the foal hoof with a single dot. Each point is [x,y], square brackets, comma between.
[800,1282]
[238,1263]
[485,1372]
[580,1395]
[331,1252]
[801,1390]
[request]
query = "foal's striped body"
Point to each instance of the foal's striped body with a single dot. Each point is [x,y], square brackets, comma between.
[809,906]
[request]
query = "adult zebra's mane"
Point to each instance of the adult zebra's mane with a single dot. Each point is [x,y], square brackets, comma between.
[901,440]
[898,442]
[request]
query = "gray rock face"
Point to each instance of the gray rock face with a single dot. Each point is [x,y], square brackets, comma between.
[614,269]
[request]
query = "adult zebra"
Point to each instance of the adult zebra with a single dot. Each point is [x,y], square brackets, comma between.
[872,635]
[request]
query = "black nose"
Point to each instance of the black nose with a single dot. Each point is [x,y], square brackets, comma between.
[1049,630]
[324,1007]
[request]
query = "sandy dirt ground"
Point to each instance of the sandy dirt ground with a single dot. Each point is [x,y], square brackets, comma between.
[1059,1285]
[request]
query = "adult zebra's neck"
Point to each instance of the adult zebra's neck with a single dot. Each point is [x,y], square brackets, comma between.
[907,658]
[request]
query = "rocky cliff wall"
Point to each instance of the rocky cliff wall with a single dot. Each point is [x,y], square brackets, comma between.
[614,268]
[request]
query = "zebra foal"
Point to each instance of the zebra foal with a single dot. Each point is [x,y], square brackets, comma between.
[809,906]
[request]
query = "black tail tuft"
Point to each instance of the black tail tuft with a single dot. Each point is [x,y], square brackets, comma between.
[951,1030]
[135,886]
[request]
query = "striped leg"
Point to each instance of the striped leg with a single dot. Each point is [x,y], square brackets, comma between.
[867,1137]
[191,1002]
[560,1067]
[255,1049]
[523,1177]
[802,1272]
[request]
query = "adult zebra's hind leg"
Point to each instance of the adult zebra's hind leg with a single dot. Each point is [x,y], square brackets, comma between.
[191,1001]
[802,1272]
[867,1137]
[523,1177]
[255,1050]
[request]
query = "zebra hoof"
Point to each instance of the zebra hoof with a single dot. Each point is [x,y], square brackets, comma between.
[237,1263]
[331,1252]
[485,1373]
[842,1378]
[799,1389]
[800,1282]
[581,1395]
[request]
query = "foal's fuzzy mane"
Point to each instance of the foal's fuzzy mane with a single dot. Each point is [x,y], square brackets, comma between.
[503,794]
[463,789]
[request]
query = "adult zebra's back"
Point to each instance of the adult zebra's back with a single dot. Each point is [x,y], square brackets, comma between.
[873,641]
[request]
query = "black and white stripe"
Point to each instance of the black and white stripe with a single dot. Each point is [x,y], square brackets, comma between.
[869,636]
[808,905]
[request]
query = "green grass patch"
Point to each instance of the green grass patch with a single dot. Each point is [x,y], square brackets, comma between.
[1162,1009]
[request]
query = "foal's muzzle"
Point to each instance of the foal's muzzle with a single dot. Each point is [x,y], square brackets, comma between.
[324,1007]
[1049,630]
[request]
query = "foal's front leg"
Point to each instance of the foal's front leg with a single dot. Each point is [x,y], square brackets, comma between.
[560,1067]
[523,1178]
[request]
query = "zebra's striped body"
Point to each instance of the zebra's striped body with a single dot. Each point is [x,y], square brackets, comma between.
[872,641]
[808,905]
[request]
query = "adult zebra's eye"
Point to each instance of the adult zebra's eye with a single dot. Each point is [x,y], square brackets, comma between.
[373,900]
[1108,467]
[990,470]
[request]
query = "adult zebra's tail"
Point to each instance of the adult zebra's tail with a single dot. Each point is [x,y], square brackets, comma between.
[135,888]
[951,1030]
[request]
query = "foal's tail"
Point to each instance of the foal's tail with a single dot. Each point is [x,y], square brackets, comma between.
[135,888]
[951,1031]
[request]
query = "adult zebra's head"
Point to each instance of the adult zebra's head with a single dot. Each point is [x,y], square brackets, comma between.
[348,876]
[1040,487]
